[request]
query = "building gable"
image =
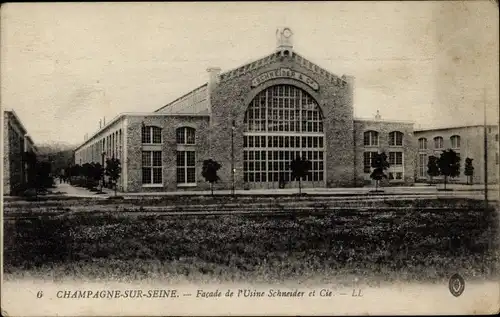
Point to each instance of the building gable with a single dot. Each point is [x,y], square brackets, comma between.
[276,57]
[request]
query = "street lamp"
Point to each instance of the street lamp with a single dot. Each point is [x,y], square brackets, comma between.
[232,157]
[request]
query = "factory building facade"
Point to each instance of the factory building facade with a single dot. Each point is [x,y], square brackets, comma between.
[467,142]
[254,120]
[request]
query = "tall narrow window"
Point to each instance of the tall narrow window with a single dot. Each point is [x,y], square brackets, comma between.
[151,135]
[422,144]
[438,142]
[422,165]
[186,167]
[186,156]
[367,161]
[370,138]
[396,138]
[455,142]
[151,167]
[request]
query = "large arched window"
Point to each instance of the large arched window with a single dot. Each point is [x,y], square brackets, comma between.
[396,138]
[281,123]
[370,138]
[151,135]
[422,144]
[283,108]
[455,141]
[438,142]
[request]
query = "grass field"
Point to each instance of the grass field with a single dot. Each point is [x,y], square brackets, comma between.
[407,244]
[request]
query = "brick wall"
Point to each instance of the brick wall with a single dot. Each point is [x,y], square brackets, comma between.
[384,128]
[230,99]
[169,124]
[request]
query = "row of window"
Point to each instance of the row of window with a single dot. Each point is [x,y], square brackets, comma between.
[256,177]
[394,159]
[438,142]
[282,155]
[111,145]
[152,135]
[258,166]
[371,138]
[152,167]
[256,141]
[273,166]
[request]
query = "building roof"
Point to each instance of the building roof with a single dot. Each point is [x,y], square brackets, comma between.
[131,114]
[16,117]
[383,120]
[170,106]
[456,127]
[243,69]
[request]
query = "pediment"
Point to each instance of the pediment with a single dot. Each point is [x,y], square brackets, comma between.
[276,57]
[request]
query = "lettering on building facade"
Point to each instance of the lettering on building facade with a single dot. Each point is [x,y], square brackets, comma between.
[285,73]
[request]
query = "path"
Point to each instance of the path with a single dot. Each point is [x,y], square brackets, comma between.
[73,191]
[464,191]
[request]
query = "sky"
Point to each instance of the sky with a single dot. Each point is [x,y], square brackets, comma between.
[65,66]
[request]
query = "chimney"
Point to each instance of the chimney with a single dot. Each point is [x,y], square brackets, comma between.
[104,122]
[100,124]
[213,76]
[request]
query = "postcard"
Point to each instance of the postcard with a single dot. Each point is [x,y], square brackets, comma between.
[250,158]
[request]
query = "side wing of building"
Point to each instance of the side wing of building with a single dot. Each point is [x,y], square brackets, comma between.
[16,142]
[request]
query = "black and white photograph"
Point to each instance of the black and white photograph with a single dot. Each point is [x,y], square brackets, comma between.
[250,158]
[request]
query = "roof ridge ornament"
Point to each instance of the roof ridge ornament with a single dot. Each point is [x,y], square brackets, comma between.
[284,39]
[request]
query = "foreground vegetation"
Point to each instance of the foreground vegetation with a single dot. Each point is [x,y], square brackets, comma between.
[405,244]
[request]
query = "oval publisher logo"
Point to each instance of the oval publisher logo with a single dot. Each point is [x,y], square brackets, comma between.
[456,285]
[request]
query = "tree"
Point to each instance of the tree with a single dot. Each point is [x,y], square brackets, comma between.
[379,164]
[449,165]
[300,168]
[113,170]
[43,179]
[73,171]
[209,172]
[469,170]
[432,167]
[97,173]
[87,173]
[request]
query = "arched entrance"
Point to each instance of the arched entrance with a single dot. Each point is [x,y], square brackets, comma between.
[281,123]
